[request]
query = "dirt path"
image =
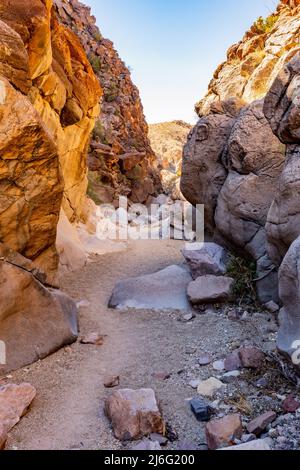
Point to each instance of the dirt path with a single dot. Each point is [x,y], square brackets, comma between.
[68,410]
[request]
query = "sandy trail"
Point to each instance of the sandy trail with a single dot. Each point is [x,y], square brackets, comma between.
[68,410]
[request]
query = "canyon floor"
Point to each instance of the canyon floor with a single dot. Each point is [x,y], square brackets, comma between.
[68,410]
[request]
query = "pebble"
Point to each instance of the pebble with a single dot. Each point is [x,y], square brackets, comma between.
[204,360]
[194,383]
[201,409]
[219,365]
[208,387]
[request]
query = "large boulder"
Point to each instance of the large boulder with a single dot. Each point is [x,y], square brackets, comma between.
[163,290]
[255,158]
[203,173]
[35,320]
[210,289]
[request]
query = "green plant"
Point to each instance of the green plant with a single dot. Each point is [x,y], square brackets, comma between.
[265,25]
[97,36]
[111,93]
[95,62]
[243,272]
[100,132]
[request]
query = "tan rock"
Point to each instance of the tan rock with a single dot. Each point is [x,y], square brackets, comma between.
[34,321]
[207,388]
[134,414]
[14,403]
[222,432]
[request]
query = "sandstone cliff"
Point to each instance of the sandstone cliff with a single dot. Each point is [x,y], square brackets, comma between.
[253,64]
[167,140]
[49,99]
[121,160]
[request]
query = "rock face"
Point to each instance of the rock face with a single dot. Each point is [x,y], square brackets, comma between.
[203,173]
[134,414]
[49,100]
[163,290]
[289,277]
[121,160]
[282,111]
[167,140]
[35,321]
[253,63]
[237,183]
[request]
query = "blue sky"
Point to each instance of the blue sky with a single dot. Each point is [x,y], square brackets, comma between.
[174,46]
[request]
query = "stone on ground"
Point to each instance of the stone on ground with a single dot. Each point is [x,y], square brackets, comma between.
[208,387]
[210,289]
[233,361]
[258,445]
[134,414]
[259,424]
[222,432]
[93,338]
[14,403]
[146,444]
[251,357]
[162,290]
[206,258]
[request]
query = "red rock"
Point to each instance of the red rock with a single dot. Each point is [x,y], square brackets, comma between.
[134,414]
[111,382]
[14,403]
[259,424]
[93,338]
[251,357]
[161,376]
[222,432]
[290,404]
[233,362]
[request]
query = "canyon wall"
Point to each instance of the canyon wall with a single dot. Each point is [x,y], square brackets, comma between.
[49,100]
[242,159]
[121,160]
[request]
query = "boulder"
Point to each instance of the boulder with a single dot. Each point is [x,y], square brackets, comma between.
[134,414]
[222,432]
[35,320]
[289,317]
[210,289]
[163,290]
[257,445]
[203,174]
[14,404]
[209,258]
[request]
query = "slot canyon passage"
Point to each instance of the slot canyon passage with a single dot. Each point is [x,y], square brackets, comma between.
[147,344]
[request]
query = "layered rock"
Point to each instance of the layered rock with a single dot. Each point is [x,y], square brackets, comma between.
[253,64]
[121,160]
[167,140]
[49,99]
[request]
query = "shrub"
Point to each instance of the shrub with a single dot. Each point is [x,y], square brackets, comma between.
[111,93]
[265,25]
[243,272]
[95,62]
[100,132]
